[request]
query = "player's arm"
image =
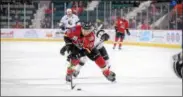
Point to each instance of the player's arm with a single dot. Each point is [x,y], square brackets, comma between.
[77,20]
[68,44]
[127,25]
[61,24]
[73,34]
[70,37]
[102,35]
[116,26]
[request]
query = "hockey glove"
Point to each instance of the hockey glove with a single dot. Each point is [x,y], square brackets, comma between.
[105,37]
[62,27]
[128,32]
[63,49]
[116,29]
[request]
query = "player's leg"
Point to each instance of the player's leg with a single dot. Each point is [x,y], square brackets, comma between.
[79,66]
[82,59]
[178,68]
[94,55]
[105,55]
[178,65]
[122,36]
[116,40]
[74,60]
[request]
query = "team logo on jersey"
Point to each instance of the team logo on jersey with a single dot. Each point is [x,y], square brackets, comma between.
[70,22]
[75,38]
[91,38]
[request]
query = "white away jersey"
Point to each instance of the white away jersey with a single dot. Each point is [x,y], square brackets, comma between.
[69,22]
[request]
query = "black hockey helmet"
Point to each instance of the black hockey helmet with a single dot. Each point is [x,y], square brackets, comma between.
[87,25]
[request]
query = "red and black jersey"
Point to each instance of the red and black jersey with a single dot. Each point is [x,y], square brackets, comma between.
[121,25]
[75,34]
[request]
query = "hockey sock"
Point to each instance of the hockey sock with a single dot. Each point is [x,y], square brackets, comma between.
[120,43]
[116,40]
[107,63]
[106,71]
[100,62]
[71,68]
[75,62]
[81,63]
[78,67]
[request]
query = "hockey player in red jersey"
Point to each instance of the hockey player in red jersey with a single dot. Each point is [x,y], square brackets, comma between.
[120,26]
[83,39]
[100,37]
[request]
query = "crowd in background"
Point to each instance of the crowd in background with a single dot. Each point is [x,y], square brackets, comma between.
[143,20]
[15,14]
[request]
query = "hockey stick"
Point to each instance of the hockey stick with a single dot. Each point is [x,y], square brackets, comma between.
[72,85]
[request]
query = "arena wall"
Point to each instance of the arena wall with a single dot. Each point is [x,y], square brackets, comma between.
[155,38]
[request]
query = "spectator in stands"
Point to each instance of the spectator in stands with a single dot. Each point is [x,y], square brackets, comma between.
[145,25]
[75,10]
[46,23]
[4,11]
[80,3]
[77,7]
[132,23]
[173,22]
[81,7]
[48,11]
[18,25]
[178,9]
[153,9]
[179,23]
[70,4]
[16,16]
[156,27]
[26,2]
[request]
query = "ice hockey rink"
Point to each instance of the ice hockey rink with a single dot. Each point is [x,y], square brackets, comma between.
[38,69]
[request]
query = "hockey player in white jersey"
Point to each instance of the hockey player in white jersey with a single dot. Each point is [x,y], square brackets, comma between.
[68,21]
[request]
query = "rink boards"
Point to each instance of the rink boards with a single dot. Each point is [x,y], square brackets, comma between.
[156,38]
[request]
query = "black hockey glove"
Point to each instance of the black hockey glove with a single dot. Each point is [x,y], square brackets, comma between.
[116,29]
[105,37]
[62,27]
[73,56]
[127,31]
[63,49]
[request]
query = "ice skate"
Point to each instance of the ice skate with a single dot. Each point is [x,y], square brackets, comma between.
[111,76]
[114,47]
[119,48]
[68,77]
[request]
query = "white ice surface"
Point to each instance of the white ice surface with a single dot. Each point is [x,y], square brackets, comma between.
[37,69]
